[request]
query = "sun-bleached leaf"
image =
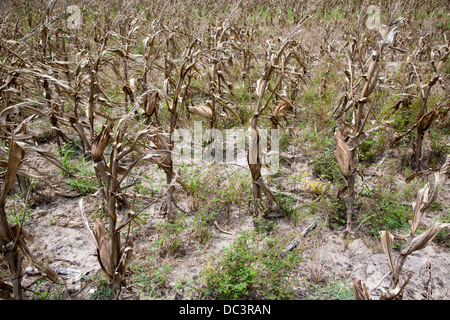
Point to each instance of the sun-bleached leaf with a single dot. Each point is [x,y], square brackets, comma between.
[203,111]
[422,241]
[16,154]
[387,241]
[282,109]
[100,142]
[343,155]
[25,106]
[388,40]
[424,199]
[417,208]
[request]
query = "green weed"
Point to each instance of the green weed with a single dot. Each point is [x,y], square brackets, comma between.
[245,268]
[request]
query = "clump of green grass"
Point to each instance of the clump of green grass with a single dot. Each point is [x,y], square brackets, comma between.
[382,210]
[244,270]
[104,289]
[332,290]
[169,235]
[85,181]
[16,210]
[320,148]
[149,276]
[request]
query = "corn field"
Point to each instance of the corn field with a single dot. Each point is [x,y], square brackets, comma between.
[351,98]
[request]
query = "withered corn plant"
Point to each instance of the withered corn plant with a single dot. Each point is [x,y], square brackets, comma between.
[113,254]
[13,244]
[112,148]
[164,139]
[114,141]
[349,136]
[276,65]
[425,197]
[426,117]
[224,40]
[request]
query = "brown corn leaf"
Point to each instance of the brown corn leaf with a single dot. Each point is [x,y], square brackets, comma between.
[282,109]
[132,148]
[427,119]
[432,195]
[202,111]
[16,154]
[21,107]
[124,122]
[353,143]
[151,104]
[43,269]
[422,197]
[414,175]
[100,142]
[125,171]
[343,155]
[104,246]
[422,241]
[425,197]
[80,130]
[387,240]
[42,74]
[127,90]
[50,157]
[267,191]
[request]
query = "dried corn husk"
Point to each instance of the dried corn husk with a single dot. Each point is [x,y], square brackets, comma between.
[104,248]
[282,109]
[427,119]
[99,143]
[151,105]
[343,155]
[203,111]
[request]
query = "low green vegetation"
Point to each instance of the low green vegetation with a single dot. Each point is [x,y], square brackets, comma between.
[83,181]
[331,290]
[249,269]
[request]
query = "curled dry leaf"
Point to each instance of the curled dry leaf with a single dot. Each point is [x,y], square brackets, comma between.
[387,241]
[16,153]
[282,109]
[105,246]
[425,197]
[422,241]
[343,155]
[422,197]
[100,142]
[203,111]
[152,103]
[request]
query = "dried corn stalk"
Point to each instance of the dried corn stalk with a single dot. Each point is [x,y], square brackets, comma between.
[349,137]
[425,197]
[12,237]
[425,119]
[254,156]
